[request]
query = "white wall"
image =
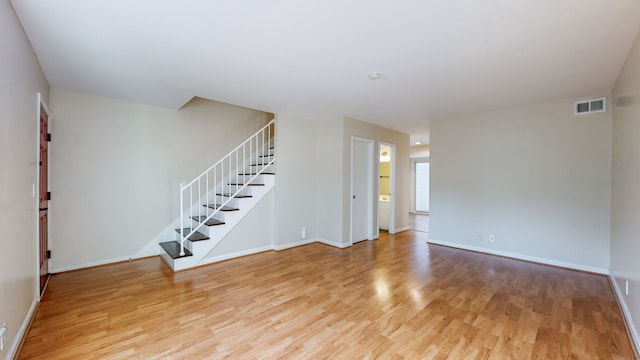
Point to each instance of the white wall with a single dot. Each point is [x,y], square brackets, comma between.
[419,151]
[353,127]
[254,233]
[625,227]
[329,174]
[295,188]
[20,80]
[537,177]
[116,169]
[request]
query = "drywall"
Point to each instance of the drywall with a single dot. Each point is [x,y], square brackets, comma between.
[353,127]
[536,177]
[254,233]
[20,80]
[625,200]
[419,151]
[117,166]
[329,175]
[295,188]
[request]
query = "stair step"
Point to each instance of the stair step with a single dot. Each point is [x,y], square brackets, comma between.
[238,196]
[172,248]
[238,184]
[224,208]
[262,164]
[264,173]
[268,155]
[196,236]
[210,222]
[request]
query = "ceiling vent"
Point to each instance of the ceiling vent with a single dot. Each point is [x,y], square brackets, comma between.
[590,106]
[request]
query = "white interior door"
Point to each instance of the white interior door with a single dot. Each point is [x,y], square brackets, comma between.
[361,189]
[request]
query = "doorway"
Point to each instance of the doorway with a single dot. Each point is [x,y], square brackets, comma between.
[362,191]
[420,169]
[386,186]
[43,194]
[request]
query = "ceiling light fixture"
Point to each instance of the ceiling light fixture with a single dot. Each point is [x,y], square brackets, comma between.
[418,143]
[374,76]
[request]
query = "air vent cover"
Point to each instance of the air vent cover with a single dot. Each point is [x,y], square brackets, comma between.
[590,106]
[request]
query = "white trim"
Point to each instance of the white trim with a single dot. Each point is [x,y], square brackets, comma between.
[278,247]
[332,243]
[238,254]
[543,261]
[22,331]
[626,314]
[369,191]
[211,259]
[92,264]
[40,103]
[401,229]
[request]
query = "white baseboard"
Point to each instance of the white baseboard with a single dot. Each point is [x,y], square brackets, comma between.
[90,264]
[22,331]
[628,319]
[279,247]
[332,243]
[544,261]
[401,229]
[218,258]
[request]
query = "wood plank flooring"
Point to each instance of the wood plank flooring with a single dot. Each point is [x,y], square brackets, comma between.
[394,298]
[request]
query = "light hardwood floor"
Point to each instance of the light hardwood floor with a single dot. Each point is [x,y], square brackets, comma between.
[394,298]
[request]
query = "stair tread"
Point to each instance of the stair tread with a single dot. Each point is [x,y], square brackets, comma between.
[196,236]
[210,222]
[172,248]
[224,208]
[264,173]
[238,196]
[238,184]
[268,155]
[262,164]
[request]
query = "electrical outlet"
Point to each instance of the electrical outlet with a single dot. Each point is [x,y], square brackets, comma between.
[492,238]
[479,237]
[626,287]
[303,233]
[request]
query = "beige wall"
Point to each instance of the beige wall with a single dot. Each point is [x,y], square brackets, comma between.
[20,80]
[116,169]
[329,175]
[353,127]
[313,177]
[625,227]
[419,151]
[295,188]
[537,177]
[384,178]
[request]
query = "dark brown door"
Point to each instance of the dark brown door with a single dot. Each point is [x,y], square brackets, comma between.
[44,198]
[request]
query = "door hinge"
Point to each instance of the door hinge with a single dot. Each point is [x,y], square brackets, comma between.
[48,254]
[49,137]
[48,195]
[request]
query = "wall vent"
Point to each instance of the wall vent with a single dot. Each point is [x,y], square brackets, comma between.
[590,106]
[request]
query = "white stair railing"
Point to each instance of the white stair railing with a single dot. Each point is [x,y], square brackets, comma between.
[242,165]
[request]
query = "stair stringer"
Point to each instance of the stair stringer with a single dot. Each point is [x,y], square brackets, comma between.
[201,249]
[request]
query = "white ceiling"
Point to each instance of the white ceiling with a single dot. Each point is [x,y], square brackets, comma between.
[438,58]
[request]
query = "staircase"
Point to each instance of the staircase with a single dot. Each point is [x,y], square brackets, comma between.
[216,201]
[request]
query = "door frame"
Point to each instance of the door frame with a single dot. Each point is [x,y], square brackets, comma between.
[414,160]
[370,187]
[41,104]
[392,188]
